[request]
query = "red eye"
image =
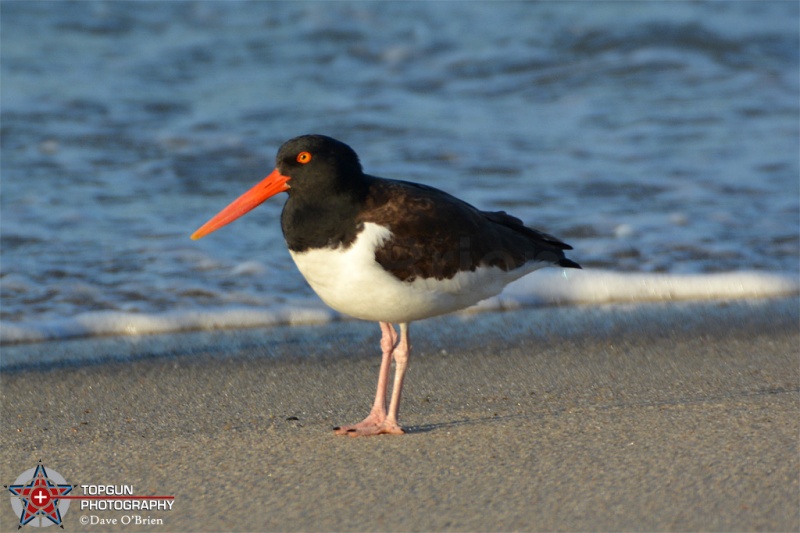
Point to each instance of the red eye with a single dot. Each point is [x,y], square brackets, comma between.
[303,157]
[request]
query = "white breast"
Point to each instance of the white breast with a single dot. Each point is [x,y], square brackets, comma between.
[352,282]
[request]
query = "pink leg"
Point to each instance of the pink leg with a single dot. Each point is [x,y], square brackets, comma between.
[400,354]
[377,414]
[378,421]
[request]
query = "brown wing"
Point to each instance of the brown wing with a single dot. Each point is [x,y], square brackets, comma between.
[435,235]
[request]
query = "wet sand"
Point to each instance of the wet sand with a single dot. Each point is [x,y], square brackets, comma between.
[619,417]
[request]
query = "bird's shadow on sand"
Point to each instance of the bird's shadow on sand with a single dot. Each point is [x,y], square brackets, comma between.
[427,428]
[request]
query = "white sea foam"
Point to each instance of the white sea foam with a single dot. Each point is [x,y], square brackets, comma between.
[120,323]
[549,287]
[546,287]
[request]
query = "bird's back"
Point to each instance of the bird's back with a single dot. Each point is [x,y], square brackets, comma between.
[436,235]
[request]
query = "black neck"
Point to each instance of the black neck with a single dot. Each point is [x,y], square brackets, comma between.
[322,220]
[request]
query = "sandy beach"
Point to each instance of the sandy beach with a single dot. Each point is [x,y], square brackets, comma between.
[647,417]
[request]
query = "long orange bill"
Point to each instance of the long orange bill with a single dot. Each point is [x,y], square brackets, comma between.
[269,186]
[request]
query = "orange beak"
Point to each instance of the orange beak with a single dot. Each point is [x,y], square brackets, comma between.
[266,188]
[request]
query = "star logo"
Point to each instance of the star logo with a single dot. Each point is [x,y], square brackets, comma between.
[36,497]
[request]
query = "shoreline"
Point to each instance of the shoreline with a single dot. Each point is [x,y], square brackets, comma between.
[615,417]
[564,320]
[548,287]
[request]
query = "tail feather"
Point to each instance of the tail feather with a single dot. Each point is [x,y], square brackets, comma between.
[539,238]
[568,263]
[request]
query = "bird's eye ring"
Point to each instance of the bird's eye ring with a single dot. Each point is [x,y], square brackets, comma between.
[303,157]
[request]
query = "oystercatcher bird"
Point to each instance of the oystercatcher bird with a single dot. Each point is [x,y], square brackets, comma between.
[389,251]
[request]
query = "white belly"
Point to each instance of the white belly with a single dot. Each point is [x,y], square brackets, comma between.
[352,282]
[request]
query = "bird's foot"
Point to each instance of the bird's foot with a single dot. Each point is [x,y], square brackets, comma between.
[370,426]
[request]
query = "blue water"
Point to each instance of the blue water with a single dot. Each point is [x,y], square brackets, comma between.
[654,137]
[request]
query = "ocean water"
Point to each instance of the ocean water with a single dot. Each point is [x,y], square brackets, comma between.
[660,139]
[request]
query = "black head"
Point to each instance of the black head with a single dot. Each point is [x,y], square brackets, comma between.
[319,173]
[319,165]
